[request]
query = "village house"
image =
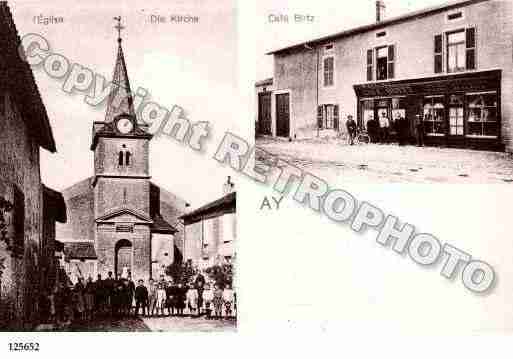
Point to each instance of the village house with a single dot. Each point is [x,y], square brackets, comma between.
[210,231]
[450,65]
[29,209]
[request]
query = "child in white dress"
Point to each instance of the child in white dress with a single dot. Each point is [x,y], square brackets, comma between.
[208,296]
[192,299]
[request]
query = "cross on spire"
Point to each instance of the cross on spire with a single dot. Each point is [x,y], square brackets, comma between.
[118,27]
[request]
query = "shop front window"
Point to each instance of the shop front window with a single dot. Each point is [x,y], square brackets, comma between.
[434,116]
[456,115]
[367,112]
[482,115]
[398,111]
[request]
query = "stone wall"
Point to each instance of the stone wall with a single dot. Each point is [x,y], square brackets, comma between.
[19,166]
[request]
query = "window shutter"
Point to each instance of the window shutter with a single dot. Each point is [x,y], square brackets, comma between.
[391,61]
[370,69]
[470,48]
[335,117]
[319,117]
[438,54]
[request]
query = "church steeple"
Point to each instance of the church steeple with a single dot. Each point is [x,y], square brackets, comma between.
[120,99]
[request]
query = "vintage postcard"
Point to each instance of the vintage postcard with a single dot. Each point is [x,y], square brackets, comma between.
[409,93]
[271,178]
[106,221]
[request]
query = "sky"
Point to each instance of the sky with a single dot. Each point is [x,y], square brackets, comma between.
[190,65]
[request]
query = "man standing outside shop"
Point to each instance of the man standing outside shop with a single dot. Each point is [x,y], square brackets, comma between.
[419,127]
[384,124]
[351,129]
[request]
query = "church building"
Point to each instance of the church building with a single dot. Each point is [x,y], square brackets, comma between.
[119,221]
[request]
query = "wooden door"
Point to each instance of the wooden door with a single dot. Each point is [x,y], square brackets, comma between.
[282,115]
[264,114]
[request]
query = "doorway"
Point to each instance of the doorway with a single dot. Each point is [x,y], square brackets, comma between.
[123,258]
[282,115]
[264,114]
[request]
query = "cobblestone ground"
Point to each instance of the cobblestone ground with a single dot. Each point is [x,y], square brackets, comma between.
[390,163]
[156,324]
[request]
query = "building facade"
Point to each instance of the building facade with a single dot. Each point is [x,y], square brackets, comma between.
[450,65]
[28,208]
[210,231]
[122,221]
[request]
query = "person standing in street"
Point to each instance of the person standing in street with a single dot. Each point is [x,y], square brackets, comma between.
[152,297]
[228,298]
[384,127]
[419,127]
[89,299]
[161,297]
[218,302]
[199,283]
[192,300]
[208,296]
[351,129]
[141,298]
[130,292]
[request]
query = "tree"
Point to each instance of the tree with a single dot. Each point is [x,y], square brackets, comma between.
[180,272]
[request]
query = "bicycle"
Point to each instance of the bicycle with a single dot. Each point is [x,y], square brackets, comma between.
[361,137]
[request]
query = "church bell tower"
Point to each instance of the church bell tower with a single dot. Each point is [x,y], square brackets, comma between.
[122,181]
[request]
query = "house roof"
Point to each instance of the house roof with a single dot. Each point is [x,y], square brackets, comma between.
[225,204]
[17,78]
[79,250]
[410,16]
[54,204]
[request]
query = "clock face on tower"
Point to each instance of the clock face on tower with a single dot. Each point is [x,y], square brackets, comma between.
[124,125]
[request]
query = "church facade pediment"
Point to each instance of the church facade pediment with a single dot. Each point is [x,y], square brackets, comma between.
[124,215]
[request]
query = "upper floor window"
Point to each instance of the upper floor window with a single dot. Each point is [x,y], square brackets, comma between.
[456,51]
[124,157]
[329,69]
[460,51]
[328,48]
[381,62]
[454,16]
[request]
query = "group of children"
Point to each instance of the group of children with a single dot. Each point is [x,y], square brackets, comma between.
[198,298]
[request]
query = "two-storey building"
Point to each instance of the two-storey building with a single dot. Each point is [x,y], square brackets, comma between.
[451,66]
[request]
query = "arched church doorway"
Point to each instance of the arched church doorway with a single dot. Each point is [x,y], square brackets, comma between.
[123,258]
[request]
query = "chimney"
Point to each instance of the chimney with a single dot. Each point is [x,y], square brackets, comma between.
[228,187]
[380,10]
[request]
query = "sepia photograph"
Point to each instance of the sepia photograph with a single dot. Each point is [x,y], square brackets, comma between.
[393,92]
[107,221]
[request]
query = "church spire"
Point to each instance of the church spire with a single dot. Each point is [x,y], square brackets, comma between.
[120,99]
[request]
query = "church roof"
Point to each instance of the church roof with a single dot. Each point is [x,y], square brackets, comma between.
[160,225]
[79,250]
[225,204]
[121,91]
[17,78]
